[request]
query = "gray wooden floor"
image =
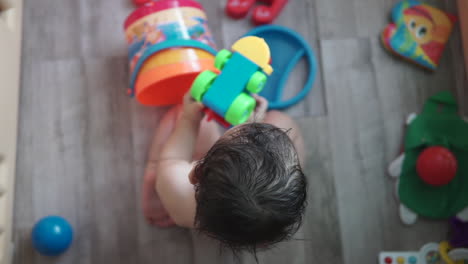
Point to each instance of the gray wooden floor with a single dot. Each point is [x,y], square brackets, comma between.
[83,144]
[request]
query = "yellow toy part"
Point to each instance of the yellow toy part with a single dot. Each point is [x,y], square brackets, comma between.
[256,50]
[444,249]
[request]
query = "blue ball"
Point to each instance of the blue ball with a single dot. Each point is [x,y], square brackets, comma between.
[52,235]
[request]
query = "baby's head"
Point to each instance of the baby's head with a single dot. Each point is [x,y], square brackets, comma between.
[250,189]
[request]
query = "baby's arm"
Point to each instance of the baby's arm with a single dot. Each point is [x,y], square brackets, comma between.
[173,185]
[181,144]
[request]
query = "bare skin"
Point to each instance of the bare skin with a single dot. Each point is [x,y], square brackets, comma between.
[154,211]
[183,136]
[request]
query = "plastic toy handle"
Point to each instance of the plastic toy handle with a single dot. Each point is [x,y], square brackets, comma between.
[266,14]
[286,65]
[238,8]
[307,87]
[452,256]
[459,255]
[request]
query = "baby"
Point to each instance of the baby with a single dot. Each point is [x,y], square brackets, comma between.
[244,188]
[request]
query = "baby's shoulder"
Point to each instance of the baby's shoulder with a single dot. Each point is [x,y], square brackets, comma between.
[178,167]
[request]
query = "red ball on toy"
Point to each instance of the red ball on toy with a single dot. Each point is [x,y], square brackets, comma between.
[436,166]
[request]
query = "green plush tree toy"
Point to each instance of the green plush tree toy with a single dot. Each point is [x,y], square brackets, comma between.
[433,170]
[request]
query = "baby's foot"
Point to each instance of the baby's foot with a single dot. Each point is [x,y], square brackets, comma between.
[153,209]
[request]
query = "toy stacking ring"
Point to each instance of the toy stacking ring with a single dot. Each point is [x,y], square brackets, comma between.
[287,49]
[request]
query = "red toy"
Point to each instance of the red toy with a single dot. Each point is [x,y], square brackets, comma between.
[436,166]
[261,14]
[141,2]
[211,115]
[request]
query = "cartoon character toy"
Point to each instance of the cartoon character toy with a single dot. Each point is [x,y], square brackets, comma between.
[419,33]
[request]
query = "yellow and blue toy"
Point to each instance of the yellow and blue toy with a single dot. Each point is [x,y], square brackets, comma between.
[242,72]
[419,33]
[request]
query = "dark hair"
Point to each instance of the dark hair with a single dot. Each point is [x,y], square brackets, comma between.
[251,190]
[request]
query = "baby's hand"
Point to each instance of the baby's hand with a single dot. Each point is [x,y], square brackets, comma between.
[192,110]
[260,110]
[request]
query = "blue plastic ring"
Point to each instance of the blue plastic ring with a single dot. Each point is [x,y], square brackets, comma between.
[310,57]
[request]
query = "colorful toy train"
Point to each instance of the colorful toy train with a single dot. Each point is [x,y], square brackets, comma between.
[227,93]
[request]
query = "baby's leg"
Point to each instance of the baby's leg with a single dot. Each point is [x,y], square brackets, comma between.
[154,211]
[282,120]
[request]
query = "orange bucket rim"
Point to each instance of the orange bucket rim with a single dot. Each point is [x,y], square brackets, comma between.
[152,77]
